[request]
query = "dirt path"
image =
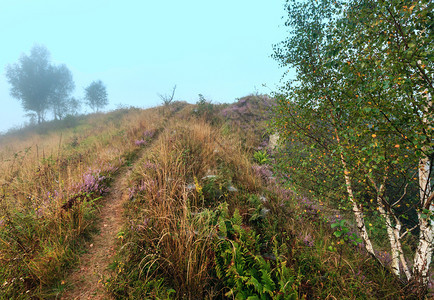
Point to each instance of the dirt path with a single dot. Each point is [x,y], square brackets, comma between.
[86,282]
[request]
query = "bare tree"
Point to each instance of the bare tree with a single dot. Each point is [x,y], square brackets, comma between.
[167,99]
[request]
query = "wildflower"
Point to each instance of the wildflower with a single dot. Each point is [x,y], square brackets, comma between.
[198,186]
[140,142]
[92,182]
[308,240]
[148,134]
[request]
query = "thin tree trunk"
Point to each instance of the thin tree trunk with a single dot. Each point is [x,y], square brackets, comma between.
[357,208]
[397,232]
[393,232]
[358,213]
[423,255]
[395,252]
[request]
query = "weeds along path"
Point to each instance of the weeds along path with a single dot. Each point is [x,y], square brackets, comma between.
[86,281]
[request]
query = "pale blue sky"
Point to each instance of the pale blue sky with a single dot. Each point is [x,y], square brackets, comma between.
[220,49]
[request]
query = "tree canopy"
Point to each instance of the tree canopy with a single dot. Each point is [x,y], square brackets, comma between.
[356,121]
[40,85]
[96,95]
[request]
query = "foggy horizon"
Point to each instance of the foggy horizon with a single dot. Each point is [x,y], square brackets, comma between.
[139,50]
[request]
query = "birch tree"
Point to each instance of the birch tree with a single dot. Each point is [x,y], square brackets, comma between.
[363,87]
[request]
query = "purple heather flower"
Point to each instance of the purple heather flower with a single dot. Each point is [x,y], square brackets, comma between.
[140,142]
[92,182]
[148,134]
[141,187]
[308,240]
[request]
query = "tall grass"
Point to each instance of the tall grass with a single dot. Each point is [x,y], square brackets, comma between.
[50,187]
[178,235]
[205,218]
[169,233]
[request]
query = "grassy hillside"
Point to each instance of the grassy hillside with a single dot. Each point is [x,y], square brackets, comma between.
[205,217]
[44,170]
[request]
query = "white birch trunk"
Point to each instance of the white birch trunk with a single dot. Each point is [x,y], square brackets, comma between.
[393,232]
[393,240]
[358,213]
[357,208]
[395,251]
[397,232]
[423,255]
[422,259]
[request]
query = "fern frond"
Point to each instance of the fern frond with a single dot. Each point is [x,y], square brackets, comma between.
[268,284]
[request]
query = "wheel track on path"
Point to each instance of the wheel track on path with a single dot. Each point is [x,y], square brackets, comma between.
[86,282]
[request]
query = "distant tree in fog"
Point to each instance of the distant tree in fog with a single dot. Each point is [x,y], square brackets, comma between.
[39,85]
[69,106]
[63,85]
[96,95]
[74,106]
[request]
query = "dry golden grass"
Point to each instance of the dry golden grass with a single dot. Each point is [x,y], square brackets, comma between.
[171,224]
[40,172]
[171,232]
